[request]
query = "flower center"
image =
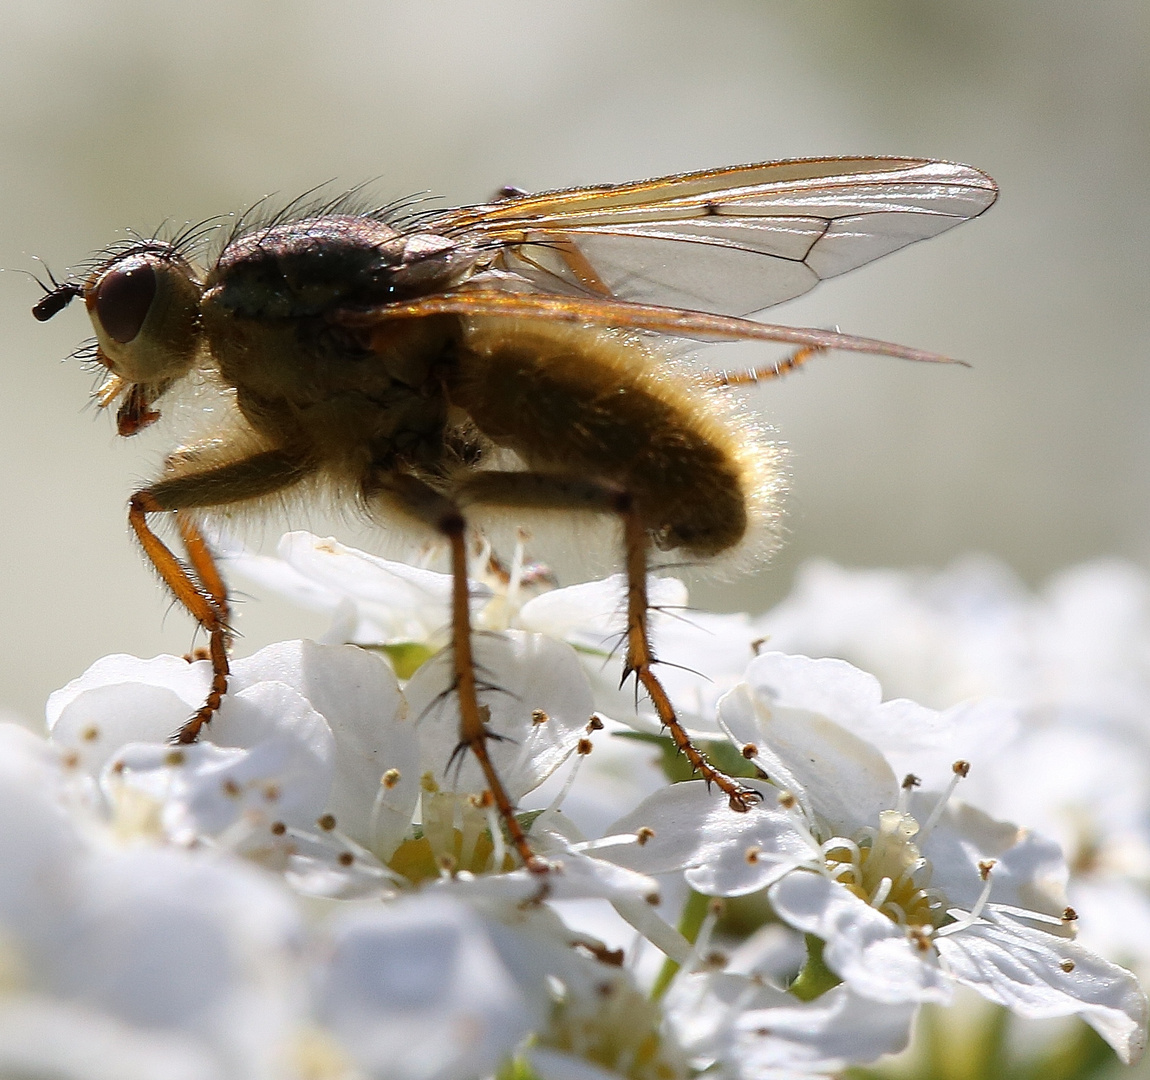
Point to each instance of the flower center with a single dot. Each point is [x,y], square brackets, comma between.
[617,1028]
[885,868]
[455,835]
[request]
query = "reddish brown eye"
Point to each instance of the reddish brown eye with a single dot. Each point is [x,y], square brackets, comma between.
[123,299]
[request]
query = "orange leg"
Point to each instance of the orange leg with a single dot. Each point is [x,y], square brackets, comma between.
[473,732]
[429,506]
[770,371]
[203,563]
[641,658]
[200,589]
[205,600]
[553,492]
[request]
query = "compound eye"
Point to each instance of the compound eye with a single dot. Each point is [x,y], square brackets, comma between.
[124,297]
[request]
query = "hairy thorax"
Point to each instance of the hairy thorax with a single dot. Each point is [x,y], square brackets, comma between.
[301,381]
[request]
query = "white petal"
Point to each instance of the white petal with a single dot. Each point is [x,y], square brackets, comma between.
[184,679]
[801,714]
[396,602]
[42,1037]
[1029,870]
[702,654]
[870,952]
[831,1033]
[418,991]
[753,1030]
[590,615]
[527,673]
[40,844]
[275,574]
[205,789]
[122,699]
[358,696]
[723,853]
[171,941]
[1022,968]
[552,1065]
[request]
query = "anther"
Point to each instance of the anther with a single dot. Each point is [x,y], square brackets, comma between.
[920,938]
[959,769]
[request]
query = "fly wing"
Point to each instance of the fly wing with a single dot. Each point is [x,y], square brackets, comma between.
[472,303]
[730,241]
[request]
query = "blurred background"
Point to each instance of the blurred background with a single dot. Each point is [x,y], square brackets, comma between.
[129,114]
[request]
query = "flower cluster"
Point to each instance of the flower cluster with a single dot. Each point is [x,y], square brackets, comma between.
[314,892]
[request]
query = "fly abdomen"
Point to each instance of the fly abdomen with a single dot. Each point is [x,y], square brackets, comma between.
[602,404]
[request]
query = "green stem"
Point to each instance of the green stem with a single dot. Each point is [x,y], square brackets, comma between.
[694,912]
[816,978]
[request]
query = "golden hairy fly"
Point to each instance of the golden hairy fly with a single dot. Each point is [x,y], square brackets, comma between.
[429,364]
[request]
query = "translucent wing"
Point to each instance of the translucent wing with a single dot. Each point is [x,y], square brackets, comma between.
[729,241]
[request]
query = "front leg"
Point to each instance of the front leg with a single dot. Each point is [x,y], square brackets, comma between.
[199,588]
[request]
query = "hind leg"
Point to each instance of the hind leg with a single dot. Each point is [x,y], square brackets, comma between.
[546,491]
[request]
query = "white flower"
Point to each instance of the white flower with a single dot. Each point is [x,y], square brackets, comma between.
[1075,662]
[375,601]
[275,762]
[422,990]
[746,1028]
[317,766]
[905,889]
[156,958]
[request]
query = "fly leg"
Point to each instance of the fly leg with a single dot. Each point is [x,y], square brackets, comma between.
[641,658]
[546,491]
[422,501]
[198,587]
[785,366]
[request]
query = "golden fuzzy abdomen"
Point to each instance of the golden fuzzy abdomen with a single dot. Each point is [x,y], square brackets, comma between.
[602,404]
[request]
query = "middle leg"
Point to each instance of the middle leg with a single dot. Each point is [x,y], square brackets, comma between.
[424,503]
